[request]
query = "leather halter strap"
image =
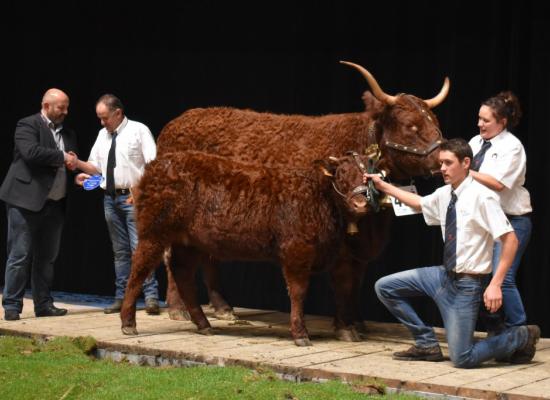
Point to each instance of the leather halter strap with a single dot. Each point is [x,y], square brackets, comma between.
[415,149]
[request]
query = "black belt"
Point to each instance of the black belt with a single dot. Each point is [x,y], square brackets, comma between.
[521,215]
[121,192]
[461,275]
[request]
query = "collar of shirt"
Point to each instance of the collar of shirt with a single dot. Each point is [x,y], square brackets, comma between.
[122,125]
[54,128]
[465,183]
[503,135]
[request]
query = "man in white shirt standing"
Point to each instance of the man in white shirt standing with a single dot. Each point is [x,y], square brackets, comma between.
[471,220]
[122,149]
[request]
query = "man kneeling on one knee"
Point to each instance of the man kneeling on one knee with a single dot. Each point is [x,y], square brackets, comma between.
[471,220]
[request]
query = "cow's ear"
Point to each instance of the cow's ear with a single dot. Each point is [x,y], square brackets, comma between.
[372,104]
[326,167]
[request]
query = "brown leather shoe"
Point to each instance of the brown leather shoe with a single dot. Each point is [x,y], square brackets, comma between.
[525,354]
[113,308]
[416,353]
[152,306]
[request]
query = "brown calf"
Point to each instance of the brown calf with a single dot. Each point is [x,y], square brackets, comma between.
[205,205]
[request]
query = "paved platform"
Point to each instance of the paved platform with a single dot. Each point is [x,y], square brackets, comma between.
[261,339]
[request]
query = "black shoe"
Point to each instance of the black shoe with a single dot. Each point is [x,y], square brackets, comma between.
[113,308]
[11,315]
[51,311]
[420,354]
[152,306]
[525,354]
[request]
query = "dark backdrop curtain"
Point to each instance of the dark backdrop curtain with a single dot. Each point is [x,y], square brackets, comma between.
[163,58]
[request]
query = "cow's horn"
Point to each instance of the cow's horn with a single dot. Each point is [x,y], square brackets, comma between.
[437,100]
[376,90]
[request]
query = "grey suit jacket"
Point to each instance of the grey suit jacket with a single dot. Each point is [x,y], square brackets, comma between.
[35,162]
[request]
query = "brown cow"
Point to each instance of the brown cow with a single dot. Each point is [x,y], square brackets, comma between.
[403,127]
[204,205]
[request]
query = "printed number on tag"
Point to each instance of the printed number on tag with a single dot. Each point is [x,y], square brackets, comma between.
[401,209]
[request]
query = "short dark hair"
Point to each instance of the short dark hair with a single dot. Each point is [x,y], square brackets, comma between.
[112,102]
[459,147]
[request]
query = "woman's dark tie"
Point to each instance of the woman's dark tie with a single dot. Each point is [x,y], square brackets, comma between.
[478,158]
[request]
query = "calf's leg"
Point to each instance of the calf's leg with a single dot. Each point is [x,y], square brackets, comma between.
[184,265]
[146,258]
[176,308]
[297,281]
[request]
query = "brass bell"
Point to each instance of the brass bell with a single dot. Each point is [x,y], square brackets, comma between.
[352,228]
[385,201]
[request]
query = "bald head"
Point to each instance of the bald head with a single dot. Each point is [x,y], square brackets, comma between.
[55,105]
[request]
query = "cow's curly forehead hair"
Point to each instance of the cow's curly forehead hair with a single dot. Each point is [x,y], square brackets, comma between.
[459,147]
[112,102]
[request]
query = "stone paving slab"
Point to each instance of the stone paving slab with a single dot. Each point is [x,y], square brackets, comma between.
[261,339]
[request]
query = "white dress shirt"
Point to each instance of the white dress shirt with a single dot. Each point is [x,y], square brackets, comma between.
[135,147]
[479,222]
[505,161]
[59,185]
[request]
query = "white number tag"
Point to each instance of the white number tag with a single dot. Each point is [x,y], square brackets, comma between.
[401,209]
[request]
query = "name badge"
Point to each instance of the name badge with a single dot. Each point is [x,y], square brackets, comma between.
[92,182]
[401,209]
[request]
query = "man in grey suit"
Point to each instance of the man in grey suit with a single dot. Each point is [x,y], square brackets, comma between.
[34,191]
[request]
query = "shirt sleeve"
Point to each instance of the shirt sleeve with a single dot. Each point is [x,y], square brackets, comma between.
[492,218]
[148,146]
[94,155]
[508,167]
[430,209]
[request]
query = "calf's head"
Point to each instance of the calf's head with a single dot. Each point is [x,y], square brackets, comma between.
[346,175]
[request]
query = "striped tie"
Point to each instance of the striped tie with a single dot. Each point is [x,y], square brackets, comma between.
[478,158]
[449,252]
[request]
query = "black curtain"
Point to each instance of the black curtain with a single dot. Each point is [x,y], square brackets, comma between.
[163,58]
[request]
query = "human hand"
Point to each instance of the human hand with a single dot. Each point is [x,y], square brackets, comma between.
[71,160]
[492,298]
[376,178]
[80,178]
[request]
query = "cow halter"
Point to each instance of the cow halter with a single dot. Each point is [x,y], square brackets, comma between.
[369,191]
[414,149]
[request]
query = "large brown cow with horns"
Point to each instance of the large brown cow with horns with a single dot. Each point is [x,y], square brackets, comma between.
[402,127]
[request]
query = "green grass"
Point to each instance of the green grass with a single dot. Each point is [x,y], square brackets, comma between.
[61,369]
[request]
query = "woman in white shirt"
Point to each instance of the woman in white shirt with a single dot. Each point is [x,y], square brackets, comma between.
[500,164]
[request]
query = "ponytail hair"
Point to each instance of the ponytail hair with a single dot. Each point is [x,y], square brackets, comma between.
[505,105]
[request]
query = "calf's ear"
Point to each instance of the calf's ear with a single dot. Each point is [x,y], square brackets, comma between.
[325,167]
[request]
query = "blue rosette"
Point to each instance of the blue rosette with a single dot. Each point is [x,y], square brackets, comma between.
[92,182]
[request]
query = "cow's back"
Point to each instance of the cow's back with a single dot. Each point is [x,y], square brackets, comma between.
[234,210]
[271,139]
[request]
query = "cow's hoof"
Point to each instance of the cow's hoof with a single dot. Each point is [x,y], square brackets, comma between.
[226,315]
[179,315]
[302,342]
[206,331]
[129,330]
[348,335]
